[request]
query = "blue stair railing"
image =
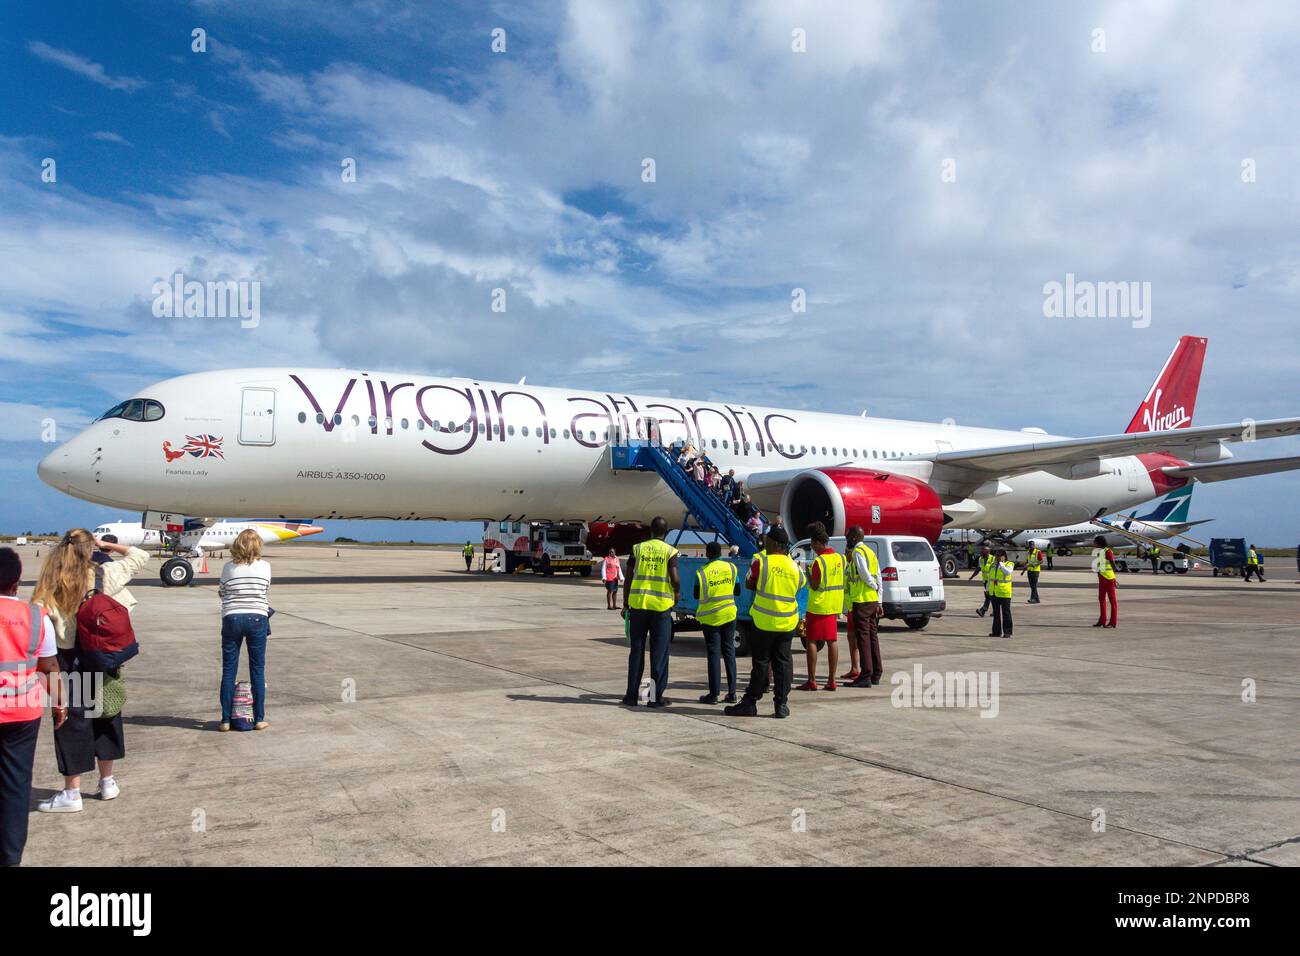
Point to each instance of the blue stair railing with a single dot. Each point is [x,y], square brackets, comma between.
[710,512]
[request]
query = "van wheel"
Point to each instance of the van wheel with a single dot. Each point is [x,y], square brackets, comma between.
[917,622]
[1167,567]
[949,566]
[586,572]
[177,573]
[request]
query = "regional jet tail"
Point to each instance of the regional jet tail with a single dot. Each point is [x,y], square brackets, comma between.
[1168,519]
[216,537]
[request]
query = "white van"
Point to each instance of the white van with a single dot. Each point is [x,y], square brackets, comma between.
[911,582]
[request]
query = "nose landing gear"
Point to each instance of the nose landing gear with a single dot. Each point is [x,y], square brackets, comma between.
[177,573]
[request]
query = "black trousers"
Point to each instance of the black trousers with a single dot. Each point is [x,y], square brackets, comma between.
[17,754]
[720,644]
[769,648]
[1001,616]
[1033,584]
[988,600]
[654,628]
[83,740]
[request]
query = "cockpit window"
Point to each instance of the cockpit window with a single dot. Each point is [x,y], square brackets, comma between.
[136,410]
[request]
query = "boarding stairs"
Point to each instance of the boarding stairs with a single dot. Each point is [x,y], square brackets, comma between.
[710,513]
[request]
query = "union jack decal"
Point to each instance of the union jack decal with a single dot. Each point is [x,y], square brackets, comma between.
[203,446]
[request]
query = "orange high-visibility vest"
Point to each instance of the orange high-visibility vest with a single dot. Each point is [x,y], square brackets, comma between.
[21,694]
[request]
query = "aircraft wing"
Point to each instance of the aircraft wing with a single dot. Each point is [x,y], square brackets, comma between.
[1004,461]
[1223,470]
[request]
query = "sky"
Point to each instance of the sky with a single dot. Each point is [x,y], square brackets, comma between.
[916,172]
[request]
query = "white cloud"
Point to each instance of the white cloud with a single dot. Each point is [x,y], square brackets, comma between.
[84,67]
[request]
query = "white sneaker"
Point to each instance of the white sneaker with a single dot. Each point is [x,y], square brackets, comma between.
[108,789]
[61,802]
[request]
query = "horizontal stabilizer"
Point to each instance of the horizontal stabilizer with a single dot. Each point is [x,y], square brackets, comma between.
[1223,470]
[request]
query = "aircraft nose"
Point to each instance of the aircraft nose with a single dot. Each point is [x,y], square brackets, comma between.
[53,469]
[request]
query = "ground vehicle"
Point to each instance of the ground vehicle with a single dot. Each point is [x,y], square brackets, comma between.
[1228,556]
[911,581]
[541,546]
[684,612]
[1171,562]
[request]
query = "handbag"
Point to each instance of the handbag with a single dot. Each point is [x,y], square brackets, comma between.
[112,695]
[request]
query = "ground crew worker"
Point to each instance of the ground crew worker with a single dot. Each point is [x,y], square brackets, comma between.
[1048,550]
[467,553]
[984,570]
[716,586]
[28,648]
[611,572]
[776,581]
[1254,565]
[1103,562]
[1033,567]
[1153,556]
[651,591]
[825,604]
[853,672]
[863,578]
[1000,593]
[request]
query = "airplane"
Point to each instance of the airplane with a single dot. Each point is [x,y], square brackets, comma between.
[337,444]
[1167,520]
[216,537]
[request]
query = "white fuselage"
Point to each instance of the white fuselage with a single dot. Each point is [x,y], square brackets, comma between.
[334,444]
[1085,532]
[217,537]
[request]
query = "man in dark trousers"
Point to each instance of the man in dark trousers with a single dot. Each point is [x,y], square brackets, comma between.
[1033,568]
[27,650]
[775,580]
[862,578]
[985,571]
[650,592]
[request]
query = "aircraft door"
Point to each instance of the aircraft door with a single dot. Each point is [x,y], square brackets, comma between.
[257,417]
[1130,465]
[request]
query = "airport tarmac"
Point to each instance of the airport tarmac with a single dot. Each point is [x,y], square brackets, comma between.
[486,729]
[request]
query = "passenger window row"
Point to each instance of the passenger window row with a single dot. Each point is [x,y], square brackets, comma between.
[537,431]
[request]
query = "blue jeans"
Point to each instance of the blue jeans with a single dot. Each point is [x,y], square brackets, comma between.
[720,642]
[656,629]
[235,629]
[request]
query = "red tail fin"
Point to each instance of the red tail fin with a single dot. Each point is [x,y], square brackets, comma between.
[1172,397]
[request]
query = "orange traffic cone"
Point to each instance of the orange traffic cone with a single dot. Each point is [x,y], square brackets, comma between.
[203,569]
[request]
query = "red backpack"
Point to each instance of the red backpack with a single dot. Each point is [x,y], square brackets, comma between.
[103,625]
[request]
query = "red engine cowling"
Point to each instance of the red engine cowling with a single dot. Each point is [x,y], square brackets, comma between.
[882,503]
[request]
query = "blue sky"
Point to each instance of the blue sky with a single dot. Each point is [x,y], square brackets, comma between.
[775,170]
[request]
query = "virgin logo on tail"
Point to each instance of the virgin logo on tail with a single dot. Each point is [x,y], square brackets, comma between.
[1154,420]
[1171,400]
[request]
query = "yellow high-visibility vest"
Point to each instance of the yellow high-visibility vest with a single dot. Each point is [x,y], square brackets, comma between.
[717,584]
[1101,565]
[860,591]
[1000,582]
[986,570]
[468,551]
[1034,560]
[776,594]
[1252,557]
[829,597]
[650,589]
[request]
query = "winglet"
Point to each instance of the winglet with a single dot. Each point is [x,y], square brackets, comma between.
[1171,400]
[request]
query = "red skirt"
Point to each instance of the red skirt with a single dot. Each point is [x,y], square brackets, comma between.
[821,627]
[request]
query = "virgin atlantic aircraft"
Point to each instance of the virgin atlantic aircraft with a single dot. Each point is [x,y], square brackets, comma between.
[315,444]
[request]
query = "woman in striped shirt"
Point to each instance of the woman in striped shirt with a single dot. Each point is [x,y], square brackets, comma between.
[245,616]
